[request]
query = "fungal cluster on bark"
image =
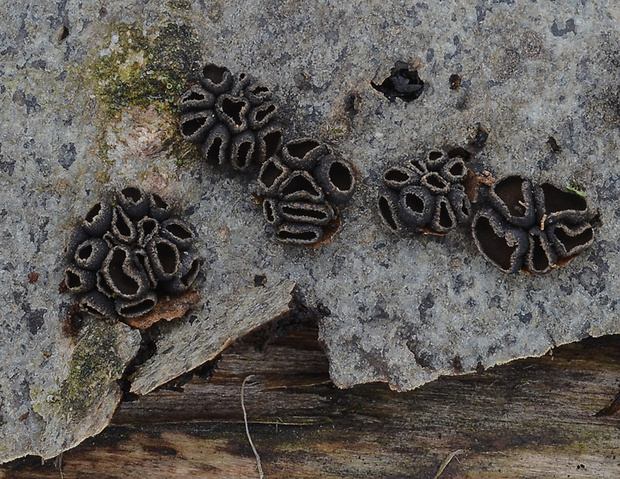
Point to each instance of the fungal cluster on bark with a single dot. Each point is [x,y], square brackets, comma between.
[232,117]
[425,195]
[125,255]
[531,228]
[303,189]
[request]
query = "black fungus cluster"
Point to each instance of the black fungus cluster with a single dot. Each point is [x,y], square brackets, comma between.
[425,195]
[302,190]
[124,255]
[232,117]
[531,227]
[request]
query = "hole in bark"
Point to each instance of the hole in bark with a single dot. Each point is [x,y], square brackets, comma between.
[403,83]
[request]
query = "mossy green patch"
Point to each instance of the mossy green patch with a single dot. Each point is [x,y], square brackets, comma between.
[143,69]
[135,68]
[95,362]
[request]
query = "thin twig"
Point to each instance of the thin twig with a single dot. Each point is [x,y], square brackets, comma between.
[247,429]
[58,464]
[445,463]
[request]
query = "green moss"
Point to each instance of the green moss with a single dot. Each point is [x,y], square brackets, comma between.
[138,69]
[94,363]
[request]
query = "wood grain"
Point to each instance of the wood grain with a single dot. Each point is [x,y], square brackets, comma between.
[531,418]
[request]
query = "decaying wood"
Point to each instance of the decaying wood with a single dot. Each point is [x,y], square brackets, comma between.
[183,346]
[529,418]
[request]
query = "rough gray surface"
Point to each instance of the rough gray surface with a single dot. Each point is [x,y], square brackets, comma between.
[185,346]
[403,310]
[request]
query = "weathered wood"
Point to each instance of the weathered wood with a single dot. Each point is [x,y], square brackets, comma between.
[530,418]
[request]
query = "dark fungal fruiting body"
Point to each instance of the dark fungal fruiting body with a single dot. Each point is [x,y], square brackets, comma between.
[425,195]
[530,228]
[503,246]
[300,191]
[403,82]
[232,117]
[271,175]
[337,178]
[143,252]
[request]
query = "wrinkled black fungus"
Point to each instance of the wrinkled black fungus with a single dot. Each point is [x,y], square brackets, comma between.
[271,175]
[398,177]
[196,98]
[134,202]
[306,212]
[97,220]
[91,253]
[122,228]
[416,206]
[97,304]
[299,233]
[271,213]
[188,271]
[159,209]
[132,308]
[303,153]
[195,125]
[403,82]
[164,257]
[121,257]
[301,185]
[512,196]
[301,189]
[337,178]
[425,194]
[502,245]
[79,280]
[531,228]
[232,117]
[388,205]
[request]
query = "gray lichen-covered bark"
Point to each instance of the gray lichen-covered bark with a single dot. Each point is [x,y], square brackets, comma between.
[87,94]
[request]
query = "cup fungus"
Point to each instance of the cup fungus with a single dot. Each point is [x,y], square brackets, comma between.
[300,191]
[530,228]
[425,195]
[123,257]
[232,117]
